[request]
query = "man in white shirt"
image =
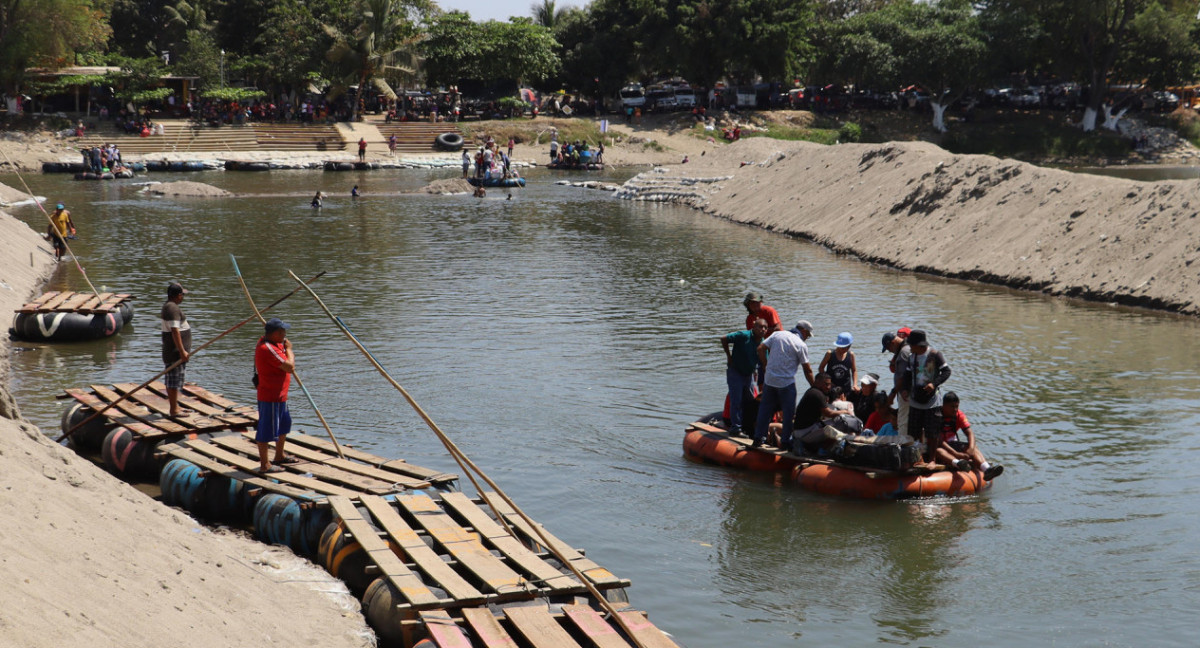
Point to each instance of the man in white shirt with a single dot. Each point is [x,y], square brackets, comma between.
[783,353]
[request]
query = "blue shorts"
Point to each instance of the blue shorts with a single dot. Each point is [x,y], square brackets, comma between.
[274,421]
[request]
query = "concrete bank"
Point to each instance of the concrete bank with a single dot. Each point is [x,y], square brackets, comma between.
[89,561]
[914,206]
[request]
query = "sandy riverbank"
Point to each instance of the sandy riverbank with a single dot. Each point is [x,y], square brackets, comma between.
[89,561]
[916,207]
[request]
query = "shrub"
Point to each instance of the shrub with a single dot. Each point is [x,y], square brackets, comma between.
[850,132]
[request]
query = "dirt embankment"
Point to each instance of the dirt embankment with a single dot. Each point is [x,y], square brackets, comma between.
[87,560]
[917,207]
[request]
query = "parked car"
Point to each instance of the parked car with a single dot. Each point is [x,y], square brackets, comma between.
[1025,99]
[1165,101]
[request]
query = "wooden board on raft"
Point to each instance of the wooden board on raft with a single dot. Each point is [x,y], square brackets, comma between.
[75,302]
[145,412]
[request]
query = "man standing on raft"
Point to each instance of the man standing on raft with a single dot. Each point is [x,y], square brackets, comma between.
[176,343]
[274,363]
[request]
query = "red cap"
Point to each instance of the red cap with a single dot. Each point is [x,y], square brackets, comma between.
[903,332]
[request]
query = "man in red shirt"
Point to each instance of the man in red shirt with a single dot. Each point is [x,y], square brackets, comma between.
[961,455]
[273,367]
[757,310]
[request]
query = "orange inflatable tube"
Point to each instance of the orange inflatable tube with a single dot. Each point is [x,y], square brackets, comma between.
[712,445]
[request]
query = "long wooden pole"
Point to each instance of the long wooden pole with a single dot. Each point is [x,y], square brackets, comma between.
[51,221]
[336,446]
[464,462]
[177,363]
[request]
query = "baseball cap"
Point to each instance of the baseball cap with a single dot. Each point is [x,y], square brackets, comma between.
[869,379]
[844,339]
[887,339]
[752,297]
[803,325]
[275,324]
[60,206]
[176,288]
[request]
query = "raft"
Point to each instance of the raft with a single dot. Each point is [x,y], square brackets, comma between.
[72,317]
[107,175]
[240,165]
[497,182]
[707,443]
[165,165]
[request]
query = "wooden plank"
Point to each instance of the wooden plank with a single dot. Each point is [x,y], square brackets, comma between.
[73,303]
[194,422]
[405,580]
[708,428]
[392,465]
[43,298]
[600,576]
[647,635]
[418,552]
[186,401]
[137,411]
[389,478]
[594,627]
[539,628]
[487,628]
[89,305]
[53,302]
[239,443]
[137,426]
[539,570]
[192,389]
[464,547]
[205,463]
[444,632]
[251,465]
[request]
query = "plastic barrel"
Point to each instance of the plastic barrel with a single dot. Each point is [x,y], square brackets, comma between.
[277,520]
[126,455]
[180,482]
[379,606]
[313,522]
[126,311]
[344,558]
[88,437]
[223,498]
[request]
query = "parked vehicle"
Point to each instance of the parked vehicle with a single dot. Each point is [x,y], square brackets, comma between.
[685,97]
[746,97]
[660,98]
[1165,101]
[633,96]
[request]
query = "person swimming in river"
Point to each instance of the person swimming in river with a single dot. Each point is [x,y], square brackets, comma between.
[354,192]
[316,201]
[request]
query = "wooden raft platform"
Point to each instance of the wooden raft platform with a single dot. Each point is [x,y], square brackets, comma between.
[577,626]
[75,302]
[146,412]
[318,474]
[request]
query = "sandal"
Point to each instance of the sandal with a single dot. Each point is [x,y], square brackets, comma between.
[273,469]
[287,460]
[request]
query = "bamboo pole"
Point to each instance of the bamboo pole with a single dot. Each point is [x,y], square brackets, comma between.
[177,363]
[337,446]
[464,462]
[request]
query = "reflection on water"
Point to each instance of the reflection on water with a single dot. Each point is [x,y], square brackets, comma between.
[564,339]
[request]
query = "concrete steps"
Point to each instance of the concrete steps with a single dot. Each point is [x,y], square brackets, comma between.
[412,137]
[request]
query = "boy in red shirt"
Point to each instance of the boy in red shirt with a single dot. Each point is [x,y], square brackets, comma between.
[957,454]
[274,363]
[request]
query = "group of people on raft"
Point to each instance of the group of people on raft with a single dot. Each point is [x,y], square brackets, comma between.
[574,154]
[763,360]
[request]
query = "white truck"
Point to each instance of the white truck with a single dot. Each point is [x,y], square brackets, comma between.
[633,96]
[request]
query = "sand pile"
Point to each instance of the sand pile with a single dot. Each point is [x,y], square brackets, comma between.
[187,189]
[917,207]
[449,186]
[87,560]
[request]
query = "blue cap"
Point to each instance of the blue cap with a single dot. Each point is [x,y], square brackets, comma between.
[844,340]
[275,324]
[60,206]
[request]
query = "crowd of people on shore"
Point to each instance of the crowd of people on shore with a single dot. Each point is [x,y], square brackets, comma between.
[574,154]
[840,404]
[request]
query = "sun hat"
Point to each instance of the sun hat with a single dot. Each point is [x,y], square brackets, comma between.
[917,338]
[844,340]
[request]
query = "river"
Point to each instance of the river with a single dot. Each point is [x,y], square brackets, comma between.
[564,339]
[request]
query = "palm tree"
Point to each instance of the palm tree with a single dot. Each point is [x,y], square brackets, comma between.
[374,49]
[546,15]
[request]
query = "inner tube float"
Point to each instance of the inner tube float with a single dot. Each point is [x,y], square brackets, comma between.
[91,175]
[64,167]
[366,166]
[165,165]
[828,479]
[449,141]
[235,165]
[497,182]
[89,436]
[339,166]
[67,327]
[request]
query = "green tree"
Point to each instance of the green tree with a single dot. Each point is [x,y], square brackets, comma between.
[455,48]
[45,33]
[382,43]
[547,14]
[1162,47]
[938,46]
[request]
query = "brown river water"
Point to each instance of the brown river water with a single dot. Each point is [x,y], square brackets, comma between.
[565,339]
